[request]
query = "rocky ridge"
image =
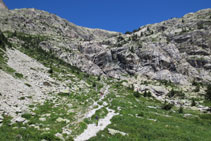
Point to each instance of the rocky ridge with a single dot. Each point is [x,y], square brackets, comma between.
[177,50]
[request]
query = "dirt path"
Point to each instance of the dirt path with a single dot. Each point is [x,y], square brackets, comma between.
[93,129]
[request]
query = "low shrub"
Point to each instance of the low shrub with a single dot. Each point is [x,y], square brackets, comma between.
[167,106]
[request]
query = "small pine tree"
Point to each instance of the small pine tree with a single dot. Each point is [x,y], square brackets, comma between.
[193,102]
[180,110]
[136,94]
[132,87]
[208,93]
[145,93]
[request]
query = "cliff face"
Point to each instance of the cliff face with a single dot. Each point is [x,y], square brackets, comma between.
[177,50]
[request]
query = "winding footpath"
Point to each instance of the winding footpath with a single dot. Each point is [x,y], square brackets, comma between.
[93,129]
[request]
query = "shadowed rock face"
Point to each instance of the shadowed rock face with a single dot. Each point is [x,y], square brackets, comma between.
[2,5]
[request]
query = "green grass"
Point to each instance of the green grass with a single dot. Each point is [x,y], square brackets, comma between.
[134,119]
[19,131]
[19,75]
[4,43]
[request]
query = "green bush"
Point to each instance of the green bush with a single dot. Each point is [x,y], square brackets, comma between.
[18,75]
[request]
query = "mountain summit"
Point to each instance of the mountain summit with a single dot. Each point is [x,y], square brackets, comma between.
[2,5]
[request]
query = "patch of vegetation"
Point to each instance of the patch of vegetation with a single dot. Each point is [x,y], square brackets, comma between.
[167,83]
[19,75]
[27,84]
[19,131]
[22,98]
[4,43]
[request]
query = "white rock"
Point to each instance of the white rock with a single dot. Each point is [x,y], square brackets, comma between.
[60,136]
[20,119]
[42,119]
[113,132]
[62,120]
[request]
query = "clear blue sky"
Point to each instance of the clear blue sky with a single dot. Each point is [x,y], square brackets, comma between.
[114,15]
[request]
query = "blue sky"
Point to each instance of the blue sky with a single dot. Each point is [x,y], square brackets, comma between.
[114,15]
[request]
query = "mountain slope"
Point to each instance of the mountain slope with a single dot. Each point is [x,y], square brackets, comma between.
[60,81]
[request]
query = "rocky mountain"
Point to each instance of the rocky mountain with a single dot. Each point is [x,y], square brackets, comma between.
[58,79]
[177,50]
